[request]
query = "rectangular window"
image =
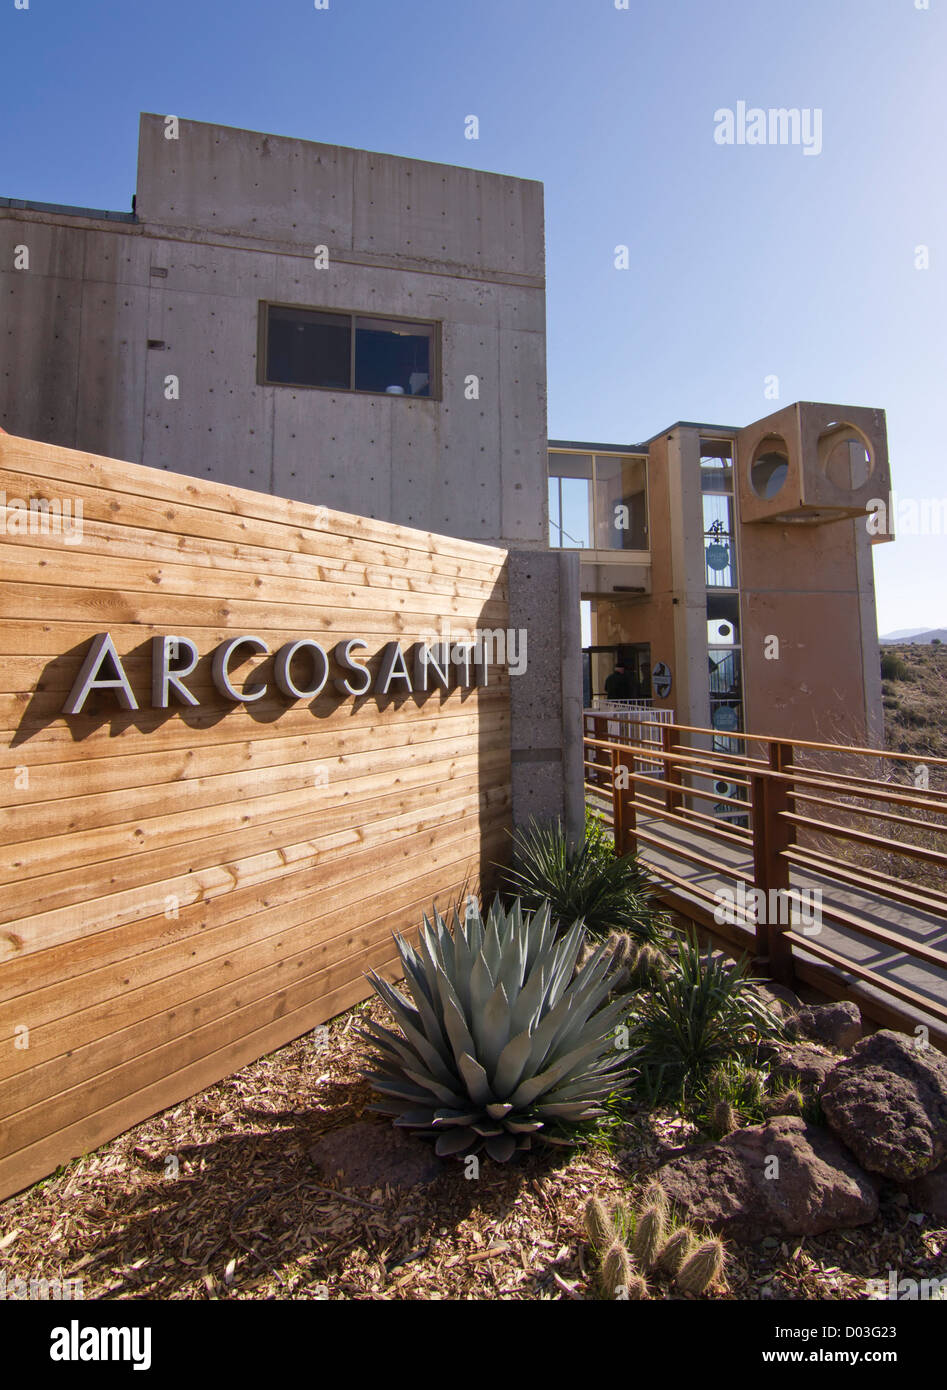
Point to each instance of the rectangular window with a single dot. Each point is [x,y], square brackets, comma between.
[621,503]
[598,502]
[347,351]
[570,502]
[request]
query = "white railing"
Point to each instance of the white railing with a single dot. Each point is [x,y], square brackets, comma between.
[634,722]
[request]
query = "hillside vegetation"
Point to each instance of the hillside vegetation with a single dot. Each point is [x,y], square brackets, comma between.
[914,686]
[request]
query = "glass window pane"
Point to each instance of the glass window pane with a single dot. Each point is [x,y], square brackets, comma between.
[393,356]
[716,465]
[576,519]
[555,515]
[723,620]
[305,348]
[719,553]
[570,465]
[621,503]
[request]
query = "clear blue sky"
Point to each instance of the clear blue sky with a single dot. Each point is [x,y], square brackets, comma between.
[745,261]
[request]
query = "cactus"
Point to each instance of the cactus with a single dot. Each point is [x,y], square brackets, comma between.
[703,1267]
[637,1288]
[788,1100]
[649,1235]
[724,1118]
[676,1248]
[617,1268]
[654,1195]
[599,1226]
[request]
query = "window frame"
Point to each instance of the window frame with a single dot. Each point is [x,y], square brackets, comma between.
[263,347]
[592,554]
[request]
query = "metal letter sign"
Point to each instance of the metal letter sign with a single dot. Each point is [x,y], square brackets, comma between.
[661,680]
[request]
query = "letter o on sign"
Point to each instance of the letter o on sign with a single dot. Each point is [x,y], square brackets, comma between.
[283,674]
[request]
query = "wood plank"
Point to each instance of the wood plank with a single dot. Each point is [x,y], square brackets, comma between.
[141,526]
[33,859]
[192,872]
[44,572]
[117,941]
[92,1075]
[54,780]
[71,1008]
[31,737]
[27,457]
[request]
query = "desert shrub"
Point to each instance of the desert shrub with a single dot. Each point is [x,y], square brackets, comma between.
[607,893]
[894,667]
[703,1014]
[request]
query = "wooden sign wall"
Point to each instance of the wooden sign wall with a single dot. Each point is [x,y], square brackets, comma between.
[186,888]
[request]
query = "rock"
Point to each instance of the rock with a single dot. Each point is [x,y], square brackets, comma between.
[804,1060]
[929,1193]
[818,1186]
[834,1025]
[888,1103]
[777,997]
[375,1155]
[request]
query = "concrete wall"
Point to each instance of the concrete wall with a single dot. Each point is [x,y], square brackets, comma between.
[229,218]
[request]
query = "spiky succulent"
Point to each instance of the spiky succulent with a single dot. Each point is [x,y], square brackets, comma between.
[500,1038]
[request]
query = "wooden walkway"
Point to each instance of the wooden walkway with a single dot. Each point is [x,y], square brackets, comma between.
[925,979]
[827,863]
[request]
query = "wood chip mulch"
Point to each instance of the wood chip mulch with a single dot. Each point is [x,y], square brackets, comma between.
[217,1198]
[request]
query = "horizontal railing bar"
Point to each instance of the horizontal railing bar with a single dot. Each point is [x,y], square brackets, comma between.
[867,811]
[931,856]
[881,982]
[933,799]
[674,848]
[902,944]
[899,889]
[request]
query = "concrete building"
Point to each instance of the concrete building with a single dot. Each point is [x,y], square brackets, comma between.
[368,332]
[737,564]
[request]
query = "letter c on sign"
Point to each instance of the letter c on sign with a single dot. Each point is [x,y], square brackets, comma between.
[283,674]
[220,671]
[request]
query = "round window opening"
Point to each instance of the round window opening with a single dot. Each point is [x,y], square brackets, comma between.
[845,458]
[768,473]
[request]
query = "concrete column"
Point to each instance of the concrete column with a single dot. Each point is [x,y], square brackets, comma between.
[546,699]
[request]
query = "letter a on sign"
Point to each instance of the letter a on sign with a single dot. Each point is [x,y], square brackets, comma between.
[90,678]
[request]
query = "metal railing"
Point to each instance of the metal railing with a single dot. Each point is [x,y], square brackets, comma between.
[866,825]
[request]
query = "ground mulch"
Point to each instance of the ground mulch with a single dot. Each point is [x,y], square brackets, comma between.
[217,1198]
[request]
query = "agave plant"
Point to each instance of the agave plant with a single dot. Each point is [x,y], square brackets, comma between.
[501,1037]
[609,892]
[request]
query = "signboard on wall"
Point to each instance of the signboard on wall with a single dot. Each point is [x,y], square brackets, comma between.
[661,680]
[203,769]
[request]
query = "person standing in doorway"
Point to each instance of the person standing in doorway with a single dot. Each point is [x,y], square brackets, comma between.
[617,685]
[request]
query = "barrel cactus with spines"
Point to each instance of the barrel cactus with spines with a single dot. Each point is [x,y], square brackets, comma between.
[500,1037]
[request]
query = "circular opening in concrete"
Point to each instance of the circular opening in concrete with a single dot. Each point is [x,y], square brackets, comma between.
[769,469]
[845,457]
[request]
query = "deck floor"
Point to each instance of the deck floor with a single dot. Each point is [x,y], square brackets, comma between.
[927,980]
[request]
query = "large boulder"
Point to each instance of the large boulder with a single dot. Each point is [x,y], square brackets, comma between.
[738,1189]
[833,1025]
[888,1103]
